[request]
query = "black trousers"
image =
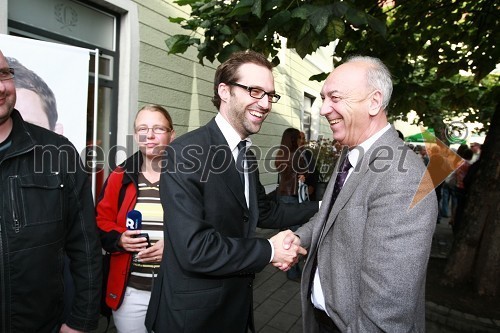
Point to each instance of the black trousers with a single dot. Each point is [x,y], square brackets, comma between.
[325,323]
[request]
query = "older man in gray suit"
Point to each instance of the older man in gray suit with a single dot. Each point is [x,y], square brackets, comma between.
[369,244]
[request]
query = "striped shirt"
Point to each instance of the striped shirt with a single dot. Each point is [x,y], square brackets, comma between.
[148,203]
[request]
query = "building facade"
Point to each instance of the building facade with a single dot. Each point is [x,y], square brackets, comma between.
[135,69]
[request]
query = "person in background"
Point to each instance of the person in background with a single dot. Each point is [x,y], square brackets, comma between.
[292,170]
[134,185]
[291,165]
[312,175]
[447,198]
[370,242]
[47,212]
[459,189]
[441,163]
[423,153]
[213,202]
[35,100]
[476,151]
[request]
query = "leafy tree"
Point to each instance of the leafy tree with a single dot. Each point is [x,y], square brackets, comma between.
[475,254]
[441,54]
[234,25]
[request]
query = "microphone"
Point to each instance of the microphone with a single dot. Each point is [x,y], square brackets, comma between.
[134,220]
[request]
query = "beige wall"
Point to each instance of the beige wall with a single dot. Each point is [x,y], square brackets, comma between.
[184,86]
[178,82]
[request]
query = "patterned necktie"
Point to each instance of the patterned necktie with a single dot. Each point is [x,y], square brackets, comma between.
[341,177]
[240,160]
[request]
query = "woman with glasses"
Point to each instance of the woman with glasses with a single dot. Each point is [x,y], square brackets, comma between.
[134,185]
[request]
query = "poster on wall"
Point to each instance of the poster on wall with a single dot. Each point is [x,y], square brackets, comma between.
[51,84]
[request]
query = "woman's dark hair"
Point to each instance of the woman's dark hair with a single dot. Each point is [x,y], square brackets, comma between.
[290,139]
[461,150]
[466,154]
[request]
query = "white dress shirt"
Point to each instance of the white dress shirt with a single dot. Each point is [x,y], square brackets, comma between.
[233,138]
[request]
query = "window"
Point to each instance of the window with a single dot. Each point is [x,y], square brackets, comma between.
[306,116]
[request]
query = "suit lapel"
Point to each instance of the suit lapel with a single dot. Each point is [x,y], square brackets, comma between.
[222,161]
[324,212]
[362,167]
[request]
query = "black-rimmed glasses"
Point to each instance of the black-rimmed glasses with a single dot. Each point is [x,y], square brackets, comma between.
[258,93]
[144,130]
[6,74]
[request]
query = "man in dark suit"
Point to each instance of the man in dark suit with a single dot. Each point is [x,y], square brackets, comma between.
[370,242]
[211,209]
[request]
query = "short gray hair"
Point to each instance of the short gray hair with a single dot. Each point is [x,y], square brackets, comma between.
[378,76]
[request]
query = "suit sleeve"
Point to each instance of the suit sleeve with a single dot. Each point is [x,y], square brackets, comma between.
[202,222]
[274,215]
[305,232]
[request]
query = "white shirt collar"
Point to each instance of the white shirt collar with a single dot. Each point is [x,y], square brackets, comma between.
[354,154]
[232,137]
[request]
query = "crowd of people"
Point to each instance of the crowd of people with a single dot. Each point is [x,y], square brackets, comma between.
[450,192]
[190,266]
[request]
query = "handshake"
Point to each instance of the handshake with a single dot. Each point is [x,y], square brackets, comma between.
[286,250]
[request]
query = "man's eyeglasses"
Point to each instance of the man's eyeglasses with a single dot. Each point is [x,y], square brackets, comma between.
[6,74]
[144,130]
[258,93]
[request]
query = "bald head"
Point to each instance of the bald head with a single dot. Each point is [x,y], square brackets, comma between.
[355,97]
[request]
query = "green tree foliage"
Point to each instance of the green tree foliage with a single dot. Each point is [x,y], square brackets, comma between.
[230,26]
[440,52]
[428,45]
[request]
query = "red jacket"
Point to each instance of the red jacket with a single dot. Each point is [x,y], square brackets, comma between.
[117,198]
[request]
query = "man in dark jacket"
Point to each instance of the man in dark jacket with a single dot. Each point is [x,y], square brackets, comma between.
[46,213]
[213,201]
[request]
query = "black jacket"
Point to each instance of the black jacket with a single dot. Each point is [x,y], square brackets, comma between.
[211,254]
[46,213]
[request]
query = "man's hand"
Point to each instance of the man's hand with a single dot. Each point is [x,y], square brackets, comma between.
[290,238]
[66,329]
[286,250]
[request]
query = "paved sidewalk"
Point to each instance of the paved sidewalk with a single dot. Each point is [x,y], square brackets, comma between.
[442,239]
[441,319]
[277,299]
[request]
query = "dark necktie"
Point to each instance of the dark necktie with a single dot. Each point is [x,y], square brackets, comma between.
[340,180]
[240,160]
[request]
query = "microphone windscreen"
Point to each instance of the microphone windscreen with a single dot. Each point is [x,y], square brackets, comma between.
[134,220]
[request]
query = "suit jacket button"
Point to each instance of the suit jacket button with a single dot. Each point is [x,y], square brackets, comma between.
[245,219]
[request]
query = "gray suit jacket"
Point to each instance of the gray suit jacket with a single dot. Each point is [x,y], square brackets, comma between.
[373,252]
